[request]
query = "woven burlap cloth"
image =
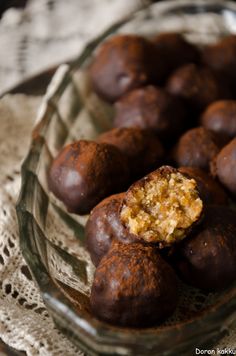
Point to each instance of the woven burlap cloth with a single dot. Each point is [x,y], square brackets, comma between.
[24,321]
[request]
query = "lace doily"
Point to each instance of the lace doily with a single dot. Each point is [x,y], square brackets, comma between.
[48,32]
[24,321]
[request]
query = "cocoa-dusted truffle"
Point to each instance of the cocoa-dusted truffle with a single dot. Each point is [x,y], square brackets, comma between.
[225,166]
[85,172]
[175,50]
[161,207]
[220,117]
[133,286]
[123,63]
[207,258]
[196,148]
[151,108]
[103,226]
[210,191]
[221,56]
[198,86]
[142,148]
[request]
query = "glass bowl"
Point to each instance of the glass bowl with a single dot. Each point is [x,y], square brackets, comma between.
[52,240]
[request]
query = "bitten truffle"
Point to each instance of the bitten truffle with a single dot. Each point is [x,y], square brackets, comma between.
[123,63]
[162,207]
[103,226]
[207,258]
[142,148]
[220,117]
[210,191]
[196,148]
[225,166]
[198,86]
[175,50]
[151,108]
[86,172]
[133,286]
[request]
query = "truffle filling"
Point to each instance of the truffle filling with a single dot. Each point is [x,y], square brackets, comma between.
[163,208]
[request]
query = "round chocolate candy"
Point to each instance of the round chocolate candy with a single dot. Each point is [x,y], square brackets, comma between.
[198,86]
[210,191]
[133,286]
[103,226]
[86,172]
[225,166]
[151,108]
[175,50]
[207,258]
[122,63]
[142,148]
[220,117]
[196,148]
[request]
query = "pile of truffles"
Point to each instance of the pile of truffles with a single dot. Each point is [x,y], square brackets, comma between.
[159,187]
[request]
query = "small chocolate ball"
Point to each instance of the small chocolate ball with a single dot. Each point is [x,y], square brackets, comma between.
[142,148]
[151,108]
[210,191]
[225,166]
[220,117]
[133,286]
[221,56]
[123,63]
[175,50]
[161,208]
[85,172]
[103,226]
[196,148]
[207,258]
[198,86]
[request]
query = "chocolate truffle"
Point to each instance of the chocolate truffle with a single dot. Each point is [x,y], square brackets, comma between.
[103,226]
[85,172]
[225,166]
[133,286]
[142,148]
[220,117]
[207,258]
[198,86]
[122,63]
[221,56]
[210,191]
[175,50]
[151,108]
[162,207]
[196,148]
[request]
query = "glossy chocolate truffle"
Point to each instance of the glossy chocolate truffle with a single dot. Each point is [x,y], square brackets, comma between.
[142,148]
[207,258]
[220,117]
[103,226]
[133,286]
[85,172]
[198,86]
[175,50]
[210,191]
[162,207]
[225,166]
[221,56]
[122,63]
[196,148]
[151,108]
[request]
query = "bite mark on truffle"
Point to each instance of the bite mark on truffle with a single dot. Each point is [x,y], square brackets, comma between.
[162,207]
